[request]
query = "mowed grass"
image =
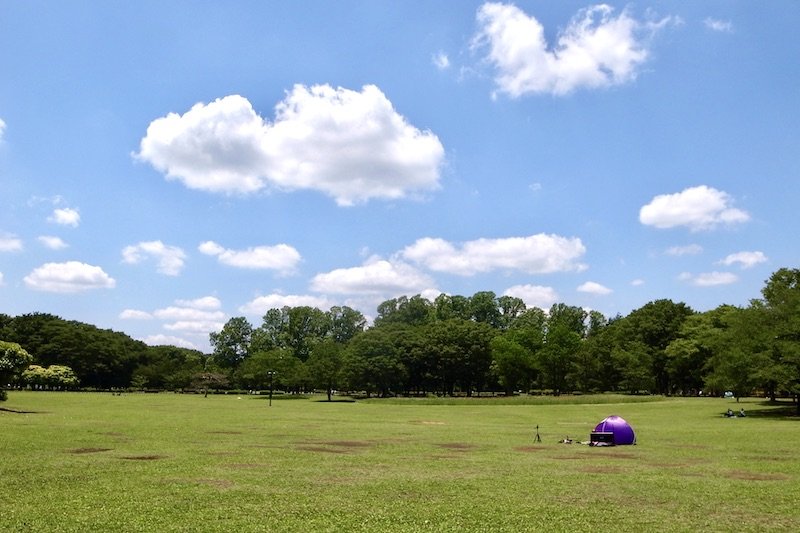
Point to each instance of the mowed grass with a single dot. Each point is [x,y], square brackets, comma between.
[168,462]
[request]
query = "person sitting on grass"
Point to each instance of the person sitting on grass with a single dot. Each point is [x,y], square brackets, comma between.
[741,413]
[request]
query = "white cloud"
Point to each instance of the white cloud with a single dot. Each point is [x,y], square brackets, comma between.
[281,257]
[534,295]
[54,243]
[1,279]
[195,326]
[188,314]
[10,243]
[350,145]
[69,277]
[197,317]
[65,216]
[134,314]
[690,249]
[375,277]
[260,305]
[709,279]
[536,254]
[441,61]
[168,340]
[596,49]
[595,288]
[205,302]
[698,208]
[637,283]
[723,26]
[2,129]
[744,259]
[170,258]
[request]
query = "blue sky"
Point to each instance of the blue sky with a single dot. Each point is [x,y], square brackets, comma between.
[165,166]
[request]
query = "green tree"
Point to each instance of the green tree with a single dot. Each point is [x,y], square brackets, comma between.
[654,326]
[325,365]
[741,352]
[345,323]
[13,360]
[232,344]
[484,308]
[446,307]
[296,328]
[781,304]
[372,363]
[413,311]
[511,363]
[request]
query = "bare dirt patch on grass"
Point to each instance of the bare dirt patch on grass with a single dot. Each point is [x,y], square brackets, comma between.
[80,451]
[323,449]
[143,457]
[615,455]
[218,483]
[756,476]
[347,443]
[333,446]
[457,446]
[248,466]
[429,423]
[529,448]
[224,432]
[601,469]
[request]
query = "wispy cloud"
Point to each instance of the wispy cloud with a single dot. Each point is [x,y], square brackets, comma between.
[534,254]
[689,249]
[744,259]
[441,61]
[596,49]
[592,287]
[170,259]
[51,242]
[65,216]
[10,243]
[280,257]
[709,279]
[722,26]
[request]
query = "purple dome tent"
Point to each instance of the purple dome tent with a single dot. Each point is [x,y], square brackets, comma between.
[613,430]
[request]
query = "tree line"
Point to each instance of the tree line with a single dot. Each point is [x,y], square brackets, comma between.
[455,345]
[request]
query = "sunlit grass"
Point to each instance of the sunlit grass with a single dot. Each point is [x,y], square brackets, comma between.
[167,462]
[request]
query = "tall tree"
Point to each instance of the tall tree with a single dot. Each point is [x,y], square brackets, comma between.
[232,344]
[654,326]
[345,323]
[484,308]
[325,365]
[414,311]
[781,302]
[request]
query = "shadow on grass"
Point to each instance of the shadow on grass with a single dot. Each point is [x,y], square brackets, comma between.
[779,410]
[8,410]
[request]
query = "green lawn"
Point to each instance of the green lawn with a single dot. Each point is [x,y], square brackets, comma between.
[168,462]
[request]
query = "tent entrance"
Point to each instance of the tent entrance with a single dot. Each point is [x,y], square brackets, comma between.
[602,437]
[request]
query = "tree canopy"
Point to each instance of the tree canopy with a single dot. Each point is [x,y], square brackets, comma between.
[452,345]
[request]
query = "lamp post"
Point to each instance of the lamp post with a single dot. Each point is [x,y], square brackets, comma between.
[271,374]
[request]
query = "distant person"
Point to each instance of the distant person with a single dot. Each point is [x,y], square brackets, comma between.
[728,413]
[741,412]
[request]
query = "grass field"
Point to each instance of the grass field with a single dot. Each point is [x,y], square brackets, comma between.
[168,462]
